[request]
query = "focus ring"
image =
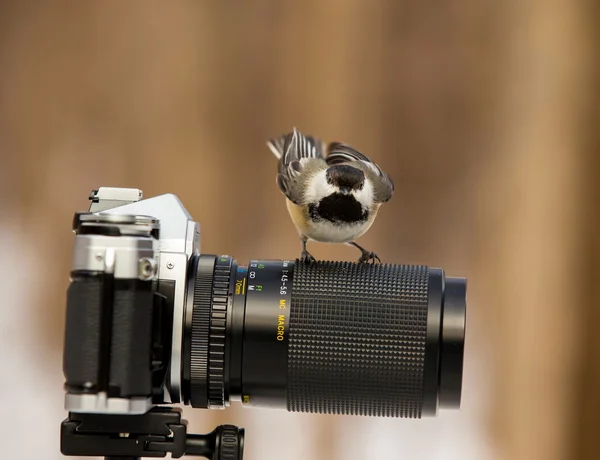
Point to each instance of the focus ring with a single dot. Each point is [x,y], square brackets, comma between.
[218,324]
[357,341]
[200,332]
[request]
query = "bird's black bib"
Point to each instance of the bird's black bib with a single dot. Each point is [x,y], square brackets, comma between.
[338,208]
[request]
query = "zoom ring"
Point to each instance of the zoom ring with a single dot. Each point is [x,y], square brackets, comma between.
[218,324]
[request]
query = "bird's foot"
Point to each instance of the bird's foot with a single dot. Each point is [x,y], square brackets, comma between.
[368,256]
[306,258]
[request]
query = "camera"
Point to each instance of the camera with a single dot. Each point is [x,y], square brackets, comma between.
[152,321]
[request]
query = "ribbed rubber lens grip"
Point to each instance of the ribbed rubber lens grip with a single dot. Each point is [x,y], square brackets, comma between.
[358,337]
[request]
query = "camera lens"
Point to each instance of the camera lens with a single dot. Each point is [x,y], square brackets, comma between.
[327,337]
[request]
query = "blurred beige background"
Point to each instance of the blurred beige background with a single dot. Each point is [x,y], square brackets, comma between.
[484,113]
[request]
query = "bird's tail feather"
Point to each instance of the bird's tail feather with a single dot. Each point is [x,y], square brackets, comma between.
[276,146]
[295,146]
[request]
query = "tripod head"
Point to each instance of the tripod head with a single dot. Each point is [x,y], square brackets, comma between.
[153,434]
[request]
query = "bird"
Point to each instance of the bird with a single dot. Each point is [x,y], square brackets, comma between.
[333,191]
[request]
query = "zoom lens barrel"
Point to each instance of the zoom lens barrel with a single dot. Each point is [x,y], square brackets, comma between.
[326,337]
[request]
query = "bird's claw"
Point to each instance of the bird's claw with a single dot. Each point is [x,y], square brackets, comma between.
[367,257]
[306,258]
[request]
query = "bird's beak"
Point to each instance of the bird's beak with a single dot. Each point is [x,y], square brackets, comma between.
[345,190]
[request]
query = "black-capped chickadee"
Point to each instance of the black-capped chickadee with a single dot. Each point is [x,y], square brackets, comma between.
[333,191]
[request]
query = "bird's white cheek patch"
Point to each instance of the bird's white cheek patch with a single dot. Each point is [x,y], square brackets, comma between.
[318,188]
[365,196]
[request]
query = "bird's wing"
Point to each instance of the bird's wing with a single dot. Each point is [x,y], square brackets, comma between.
[338,152]
[296,153]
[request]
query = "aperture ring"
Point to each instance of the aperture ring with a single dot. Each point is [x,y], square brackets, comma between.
[218,325]
[200,332]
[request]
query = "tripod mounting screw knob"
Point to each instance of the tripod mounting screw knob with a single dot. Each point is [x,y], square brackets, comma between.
[230,442]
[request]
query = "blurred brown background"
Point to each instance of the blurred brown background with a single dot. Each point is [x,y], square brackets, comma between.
[484,113]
